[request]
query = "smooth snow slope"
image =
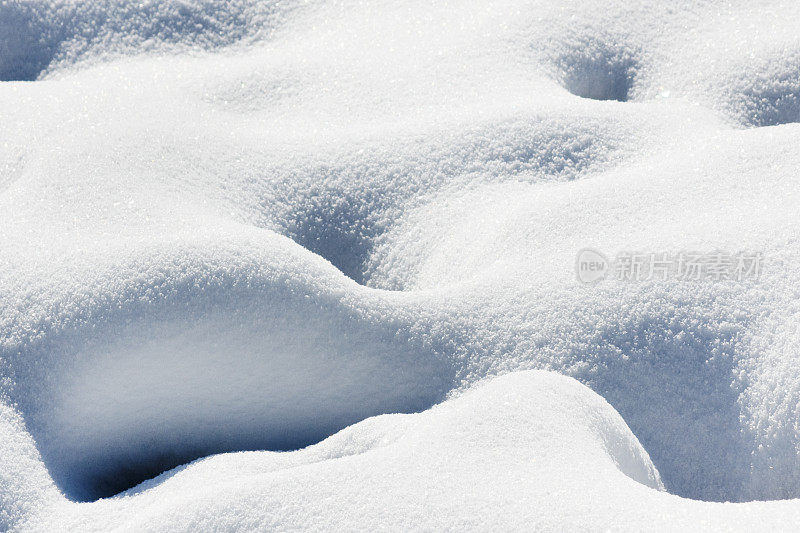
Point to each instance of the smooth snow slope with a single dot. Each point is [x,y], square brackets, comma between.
[250,225]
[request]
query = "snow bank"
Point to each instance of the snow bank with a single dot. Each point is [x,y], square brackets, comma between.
[37,37]
[223,349]
[477,459]
[526,448]
[249,226]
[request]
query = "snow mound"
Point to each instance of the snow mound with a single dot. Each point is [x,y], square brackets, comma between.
[223,349]
[39,36]
[461,459]
[529,449]
[249,225]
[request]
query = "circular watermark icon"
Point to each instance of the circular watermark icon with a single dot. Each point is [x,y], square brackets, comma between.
[591,266]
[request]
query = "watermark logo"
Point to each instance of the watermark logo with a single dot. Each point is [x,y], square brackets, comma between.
[591,266]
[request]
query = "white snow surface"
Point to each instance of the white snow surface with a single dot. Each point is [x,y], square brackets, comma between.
[317,258]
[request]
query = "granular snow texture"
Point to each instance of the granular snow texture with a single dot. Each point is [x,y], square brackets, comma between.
[266,225]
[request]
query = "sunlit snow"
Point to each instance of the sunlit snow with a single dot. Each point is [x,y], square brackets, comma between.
[268,265]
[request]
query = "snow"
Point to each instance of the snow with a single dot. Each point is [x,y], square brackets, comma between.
[243,226]
[436,469]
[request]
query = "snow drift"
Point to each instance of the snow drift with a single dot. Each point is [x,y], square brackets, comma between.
[249,226]
[394,463]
